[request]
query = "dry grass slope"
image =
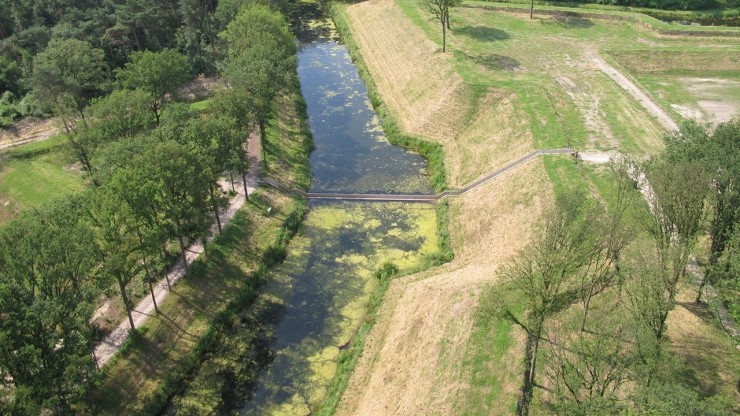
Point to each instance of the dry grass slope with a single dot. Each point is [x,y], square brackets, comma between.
[480,130]
[411,363]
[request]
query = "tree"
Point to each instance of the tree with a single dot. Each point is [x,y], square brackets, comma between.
[158,73]
[587,366]
[440,9]
[217,139]
[123,113]
[48,282]
[261,59]
[116,237]
[676,199]
[542,271]
[611,237]
[258,75]
[179,191]
[235,104]
[718,153]
[67,74]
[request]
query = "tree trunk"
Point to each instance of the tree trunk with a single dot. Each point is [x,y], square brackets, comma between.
[126,303]
[215,209]
[701,288]
[164,257]
[151,287]
[444,36]
[263,134]
[244,181]
[447,18]
[531,10]
[155,108]
[586,304]
[182,250]
[231,175]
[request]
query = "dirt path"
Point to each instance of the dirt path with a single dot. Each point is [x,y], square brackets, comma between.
[113,342]
[27,131]
[624,82]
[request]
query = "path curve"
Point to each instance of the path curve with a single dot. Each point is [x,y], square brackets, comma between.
[145,308]
[651,106]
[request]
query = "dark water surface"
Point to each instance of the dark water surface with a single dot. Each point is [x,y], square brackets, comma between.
[327,277]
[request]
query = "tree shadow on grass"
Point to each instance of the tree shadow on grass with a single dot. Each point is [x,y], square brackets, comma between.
[494,61]
[569,22]
[483,33]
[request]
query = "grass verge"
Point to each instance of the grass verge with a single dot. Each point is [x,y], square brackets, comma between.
[154,364]
[34,174]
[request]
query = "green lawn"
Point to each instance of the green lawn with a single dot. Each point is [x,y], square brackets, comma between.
[547,62]
[36,173]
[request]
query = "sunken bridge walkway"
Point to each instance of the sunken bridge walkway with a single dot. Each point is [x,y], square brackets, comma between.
[429,198]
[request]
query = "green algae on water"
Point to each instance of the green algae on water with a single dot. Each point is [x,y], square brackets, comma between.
[326,281]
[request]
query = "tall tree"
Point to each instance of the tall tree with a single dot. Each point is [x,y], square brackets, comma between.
[48,282]
[158,73]
[440,9]
[180,189]
[67,74]
[611,236]
[122,113]
[261,59]
[677,196]
[718,152]
[115,228]
[543,271]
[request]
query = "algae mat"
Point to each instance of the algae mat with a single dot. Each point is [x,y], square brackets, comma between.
[324,286]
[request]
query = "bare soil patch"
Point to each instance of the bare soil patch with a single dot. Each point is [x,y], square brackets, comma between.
[718,98]
[199,88]
[27,131]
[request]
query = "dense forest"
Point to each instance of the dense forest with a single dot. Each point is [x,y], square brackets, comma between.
[114,30]
[110,71]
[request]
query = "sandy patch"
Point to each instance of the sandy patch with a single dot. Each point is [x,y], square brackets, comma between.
[411,363]
[718,98]
[26,131]
[199,88]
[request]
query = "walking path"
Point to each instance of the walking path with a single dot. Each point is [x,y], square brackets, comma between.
[414,197]
[651,106]
[145,309]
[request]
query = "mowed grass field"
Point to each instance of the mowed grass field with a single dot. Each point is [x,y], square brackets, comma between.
[36,173]
[507,84]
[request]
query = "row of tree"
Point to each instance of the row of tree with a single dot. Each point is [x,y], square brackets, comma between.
[630,259]
[154,167]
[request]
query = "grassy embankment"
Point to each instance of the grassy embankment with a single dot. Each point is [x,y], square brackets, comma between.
[543,65]
[153,365]
[664,21]
[36,173]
